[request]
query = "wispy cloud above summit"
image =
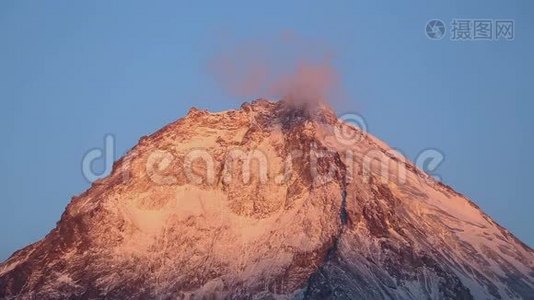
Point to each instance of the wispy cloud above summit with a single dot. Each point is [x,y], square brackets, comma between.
[285,66]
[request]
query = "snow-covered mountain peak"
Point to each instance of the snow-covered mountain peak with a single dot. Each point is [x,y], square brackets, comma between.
[266,202]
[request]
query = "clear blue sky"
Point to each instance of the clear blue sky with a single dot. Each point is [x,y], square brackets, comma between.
[70,72]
